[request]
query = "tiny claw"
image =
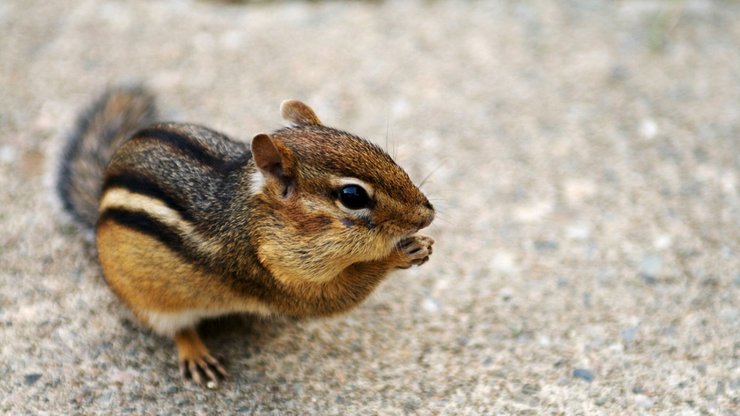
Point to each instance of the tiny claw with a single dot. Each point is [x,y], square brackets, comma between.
[195,373]
[204,371]
[213,362]
[184,373]
[210,375]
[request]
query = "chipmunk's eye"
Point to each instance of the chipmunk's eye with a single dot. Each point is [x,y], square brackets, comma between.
[353,197]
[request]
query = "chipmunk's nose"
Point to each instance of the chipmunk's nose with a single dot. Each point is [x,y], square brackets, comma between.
[426,216]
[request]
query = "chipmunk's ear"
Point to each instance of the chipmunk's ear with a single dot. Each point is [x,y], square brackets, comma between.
[298,114]
[273,159]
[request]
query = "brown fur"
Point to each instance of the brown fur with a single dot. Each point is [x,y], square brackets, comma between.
[193,224]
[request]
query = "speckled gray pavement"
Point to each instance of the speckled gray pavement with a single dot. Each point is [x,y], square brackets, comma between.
[584,158]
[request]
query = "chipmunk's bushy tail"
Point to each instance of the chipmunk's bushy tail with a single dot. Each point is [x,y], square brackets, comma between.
[100,130]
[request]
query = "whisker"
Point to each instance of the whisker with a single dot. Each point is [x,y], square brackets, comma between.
[442,219]
[440,213]
[429,175]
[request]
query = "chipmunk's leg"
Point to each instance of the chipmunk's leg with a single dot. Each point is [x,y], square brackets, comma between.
[196,362]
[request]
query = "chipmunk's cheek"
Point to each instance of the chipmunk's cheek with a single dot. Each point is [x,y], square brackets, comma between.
[393,229]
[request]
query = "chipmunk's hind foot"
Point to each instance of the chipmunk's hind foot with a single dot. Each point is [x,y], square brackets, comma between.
[196,362]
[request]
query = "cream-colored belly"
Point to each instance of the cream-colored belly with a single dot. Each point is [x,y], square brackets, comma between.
[162,289]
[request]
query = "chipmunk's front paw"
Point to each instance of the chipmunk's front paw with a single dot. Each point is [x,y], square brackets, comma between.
[414,250]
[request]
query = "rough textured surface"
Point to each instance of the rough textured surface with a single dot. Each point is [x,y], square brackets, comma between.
[586,165]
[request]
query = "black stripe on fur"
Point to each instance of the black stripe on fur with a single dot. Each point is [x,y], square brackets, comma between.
[145,224]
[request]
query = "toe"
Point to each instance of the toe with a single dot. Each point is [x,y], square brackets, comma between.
[195,373]
[216,365]
[210,376]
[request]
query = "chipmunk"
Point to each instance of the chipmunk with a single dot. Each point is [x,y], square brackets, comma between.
[190,224]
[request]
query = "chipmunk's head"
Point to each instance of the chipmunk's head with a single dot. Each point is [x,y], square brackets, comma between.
[335,194]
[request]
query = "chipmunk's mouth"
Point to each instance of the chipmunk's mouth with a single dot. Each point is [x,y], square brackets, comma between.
[396,230]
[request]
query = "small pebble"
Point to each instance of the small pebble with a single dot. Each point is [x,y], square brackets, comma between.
[643,401]
[8,154]
[648,279]
[629,335]
[430,305]
[533,212]
[583,374]
[544,341]
[618,73]
[587,300]
[663,242]
[506,293]
[578,232]
[31,379]
[546,245]
[410,405]
[651,265]
[503,262]
[648,128]
[530,389]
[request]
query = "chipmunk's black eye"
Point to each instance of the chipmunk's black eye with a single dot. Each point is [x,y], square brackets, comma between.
[353,197]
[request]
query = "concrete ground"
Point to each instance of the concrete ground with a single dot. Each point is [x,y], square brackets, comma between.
[584,158]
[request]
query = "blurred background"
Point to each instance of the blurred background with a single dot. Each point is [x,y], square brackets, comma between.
[584,157]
